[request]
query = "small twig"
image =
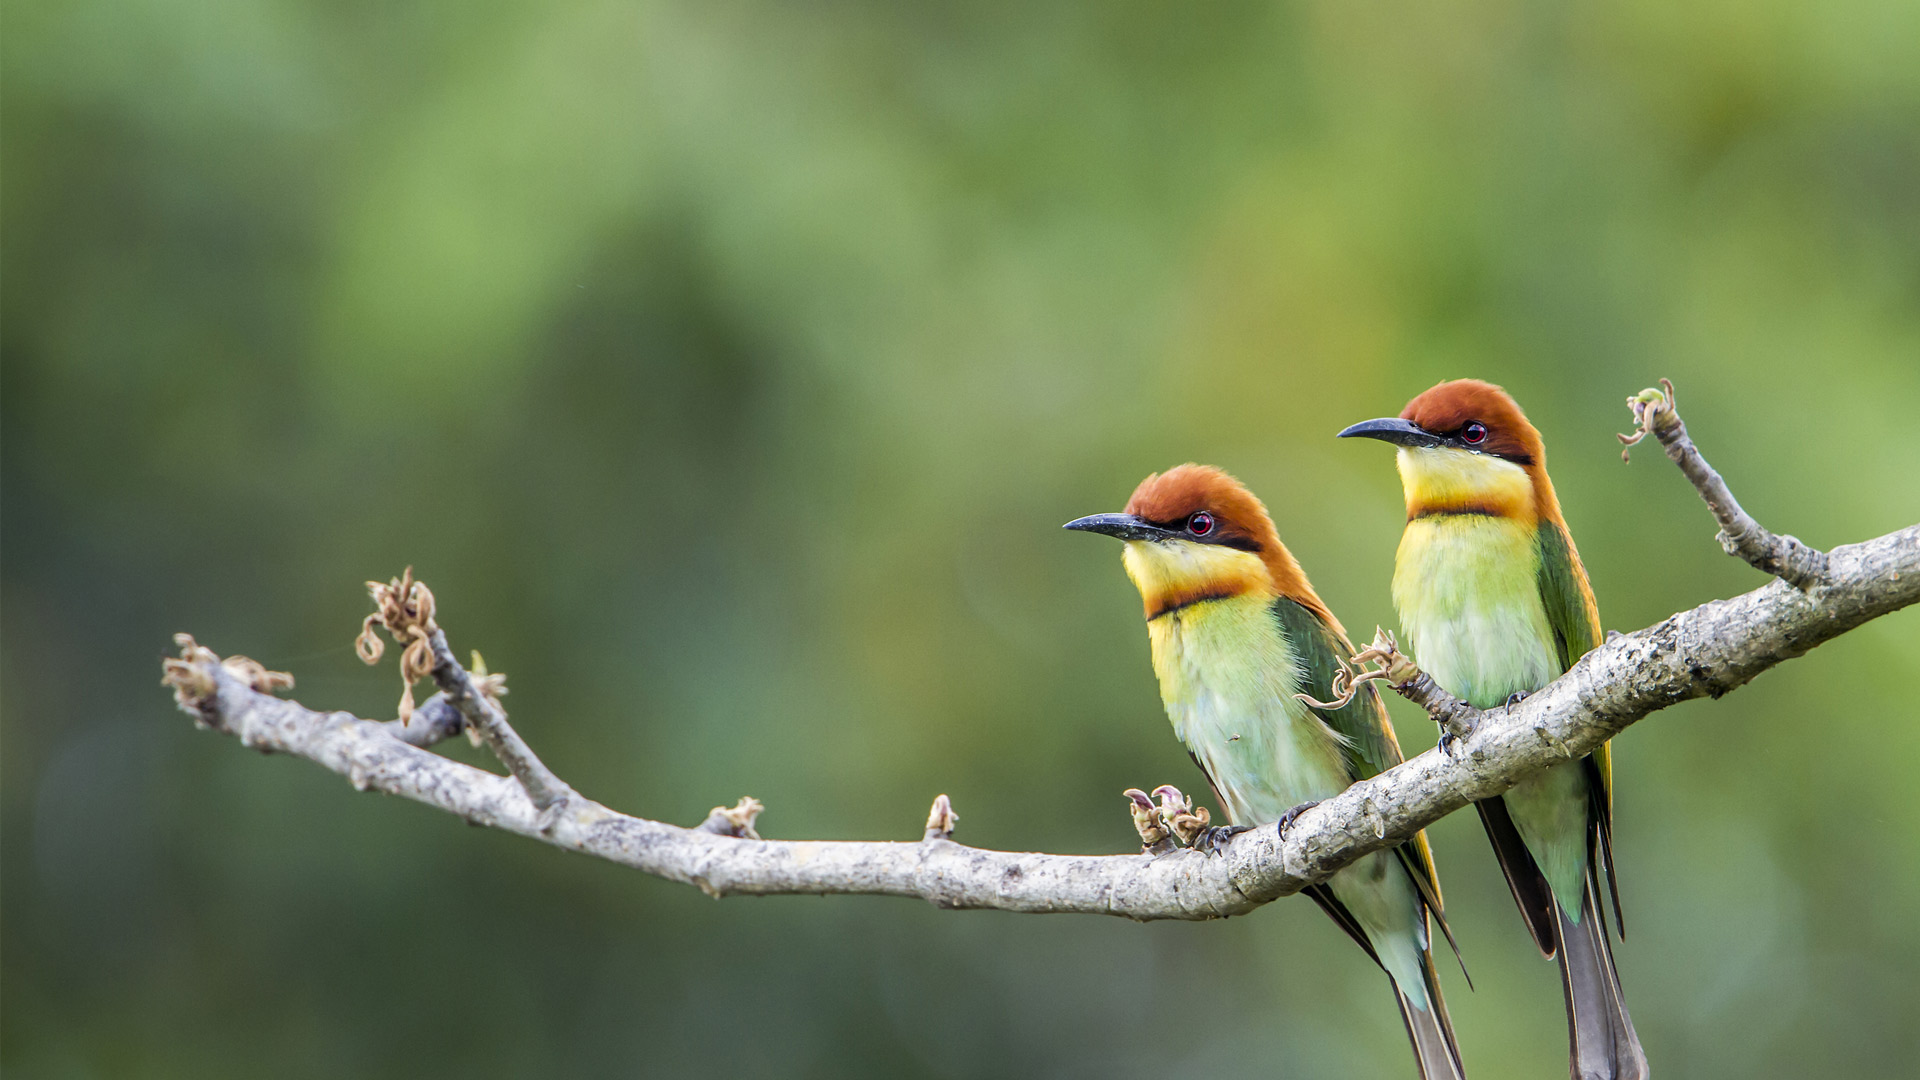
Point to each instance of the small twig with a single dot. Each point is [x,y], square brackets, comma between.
[435,719]
[491,685]
[941,819]
[1644,405]
[1456,718]
[1346,686]
[1393,668]
[1656,413]
[736,820]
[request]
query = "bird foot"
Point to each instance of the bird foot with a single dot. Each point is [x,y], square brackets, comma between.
[1213,839]
[1457,723]
[1454,730]
[1287,819]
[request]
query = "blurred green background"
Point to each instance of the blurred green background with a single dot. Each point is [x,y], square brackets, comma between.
[728,369]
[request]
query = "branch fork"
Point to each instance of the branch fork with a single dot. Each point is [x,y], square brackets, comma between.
[404,608]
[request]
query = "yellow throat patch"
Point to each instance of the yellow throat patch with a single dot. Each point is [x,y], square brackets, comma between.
[1172,574]
[1443,480]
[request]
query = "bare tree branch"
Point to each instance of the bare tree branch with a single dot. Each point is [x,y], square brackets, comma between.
[1704,652]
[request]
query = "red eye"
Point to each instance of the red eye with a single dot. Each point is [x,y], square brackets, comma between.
[1474,433]
[1200,524]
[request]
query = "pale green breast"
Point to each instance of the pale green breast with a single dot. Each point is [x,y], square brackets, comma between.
[1227,678]
[1467,588]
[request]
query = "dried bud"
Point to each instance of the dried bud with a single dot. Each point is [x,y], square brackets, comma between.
[404,608]
[1155,838]
[1652,410]
[1182,817]
[941,819]
[736,820]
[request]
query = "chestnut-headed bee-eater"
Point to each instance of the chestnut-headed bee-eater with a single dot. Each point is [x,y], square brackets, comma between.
[1236,632]
[1494,605]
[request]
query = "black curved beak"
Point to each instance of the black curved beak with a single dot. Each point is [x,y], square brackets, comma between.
[1120,527]
[1394,430]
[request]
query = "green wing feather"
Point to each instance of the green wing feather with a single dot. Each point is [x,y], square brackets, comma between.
[1572,614]
[1575,620]
[1371,746]
[1319,650]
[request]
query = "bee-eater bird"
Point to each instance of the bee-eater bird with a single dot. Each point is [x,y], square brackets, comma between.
[1495,604]
[1236,632]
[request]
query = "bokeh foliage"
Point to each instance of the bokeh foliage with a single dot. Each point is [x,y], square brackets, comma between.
[728,368]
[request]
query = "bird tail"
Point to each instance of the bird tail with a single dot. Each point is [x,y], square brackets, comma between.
[1602,1044]
[1431,1030]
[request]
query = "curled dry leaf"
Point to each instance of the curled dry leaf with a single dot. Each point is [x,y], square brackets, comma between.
[1186,820]
[192,685]
[1155,837]
[255,674]
[183,674]
[1394,668]
[404,608]
[1648,407]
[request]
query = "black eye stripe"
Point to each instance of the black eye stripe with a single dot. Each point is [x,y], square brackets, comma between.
[1216,534]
